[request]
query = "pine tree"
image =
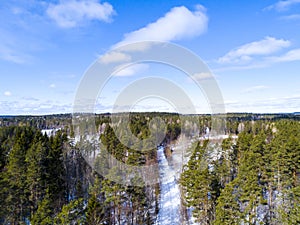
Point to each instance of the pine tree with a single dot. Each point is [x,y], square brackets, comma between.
[36,168]
[44,213]
[71,213]
[225,167]
[55,169]
[228,209]
[198,185]
[114,196]
[96,208]
[249,180]
[286,152]
[15,179]
[137,201]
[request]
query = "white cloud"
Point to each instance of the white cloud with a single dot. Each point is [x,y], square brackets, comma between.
[132,70]
[10,49]
[291,17]
[270,105]
[293,55]
[202,76]
[24,31]
[283,5]
[30,99]
[39,107]
[255,89]
[68,14]
[135,47]
[52,86]
[114,57]
[12,55]
[177,24]
[290,56]
[245,53]
[254,65]
[7,93]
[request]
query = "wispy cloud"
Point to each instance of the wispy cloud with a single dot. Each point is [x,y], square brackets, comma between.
[30,99]
[245,53]
[11,48]
[11,54]
[282,5]
[255,89]
[114,57]
[132,70]
[292,55]
[290,103]
[291,17]
[179,23]
[23,30]
[250,66]
[33,107]
[202,76]
[68,14]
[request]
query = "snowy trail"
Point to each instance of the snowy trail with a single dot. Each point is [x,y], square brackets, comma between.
[169,207]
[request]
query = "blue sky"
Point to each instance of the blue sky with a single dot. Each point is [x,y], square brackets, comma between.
[252,47]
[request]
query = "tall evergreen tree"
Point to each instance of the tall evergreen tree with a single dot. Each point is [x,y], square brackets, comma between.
[96,212]
[36,169]
[198,185]
[44,213]
[15,179]
[71,213]
[228,208]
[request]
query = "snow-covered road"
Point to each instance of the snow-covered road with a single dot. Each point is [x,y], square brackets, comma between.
[169,207]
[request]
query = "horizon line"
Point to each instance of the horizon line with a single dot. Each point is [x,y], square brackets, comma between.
[144,112]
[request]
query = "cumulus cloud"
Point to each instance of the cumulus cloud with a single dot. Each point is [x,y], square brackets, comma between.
[68,14]
[282,5]
[177,24]
[246,52]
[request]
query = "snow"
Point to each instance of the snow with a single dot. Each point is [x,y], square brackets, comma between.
[50,132]
[169,204]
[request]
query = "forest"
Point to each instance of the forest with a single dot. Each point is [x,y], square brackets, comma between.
[252,177]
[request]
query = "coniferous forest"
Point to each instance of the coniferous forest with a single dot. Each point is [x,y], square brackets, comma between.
[251,177]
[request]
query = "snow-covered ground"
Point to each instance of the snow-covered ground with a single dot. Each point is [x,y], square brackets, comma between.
[169,207]
[50,132]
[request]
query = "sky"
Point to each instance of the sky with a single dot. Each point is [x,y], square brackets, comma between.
[251,47]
